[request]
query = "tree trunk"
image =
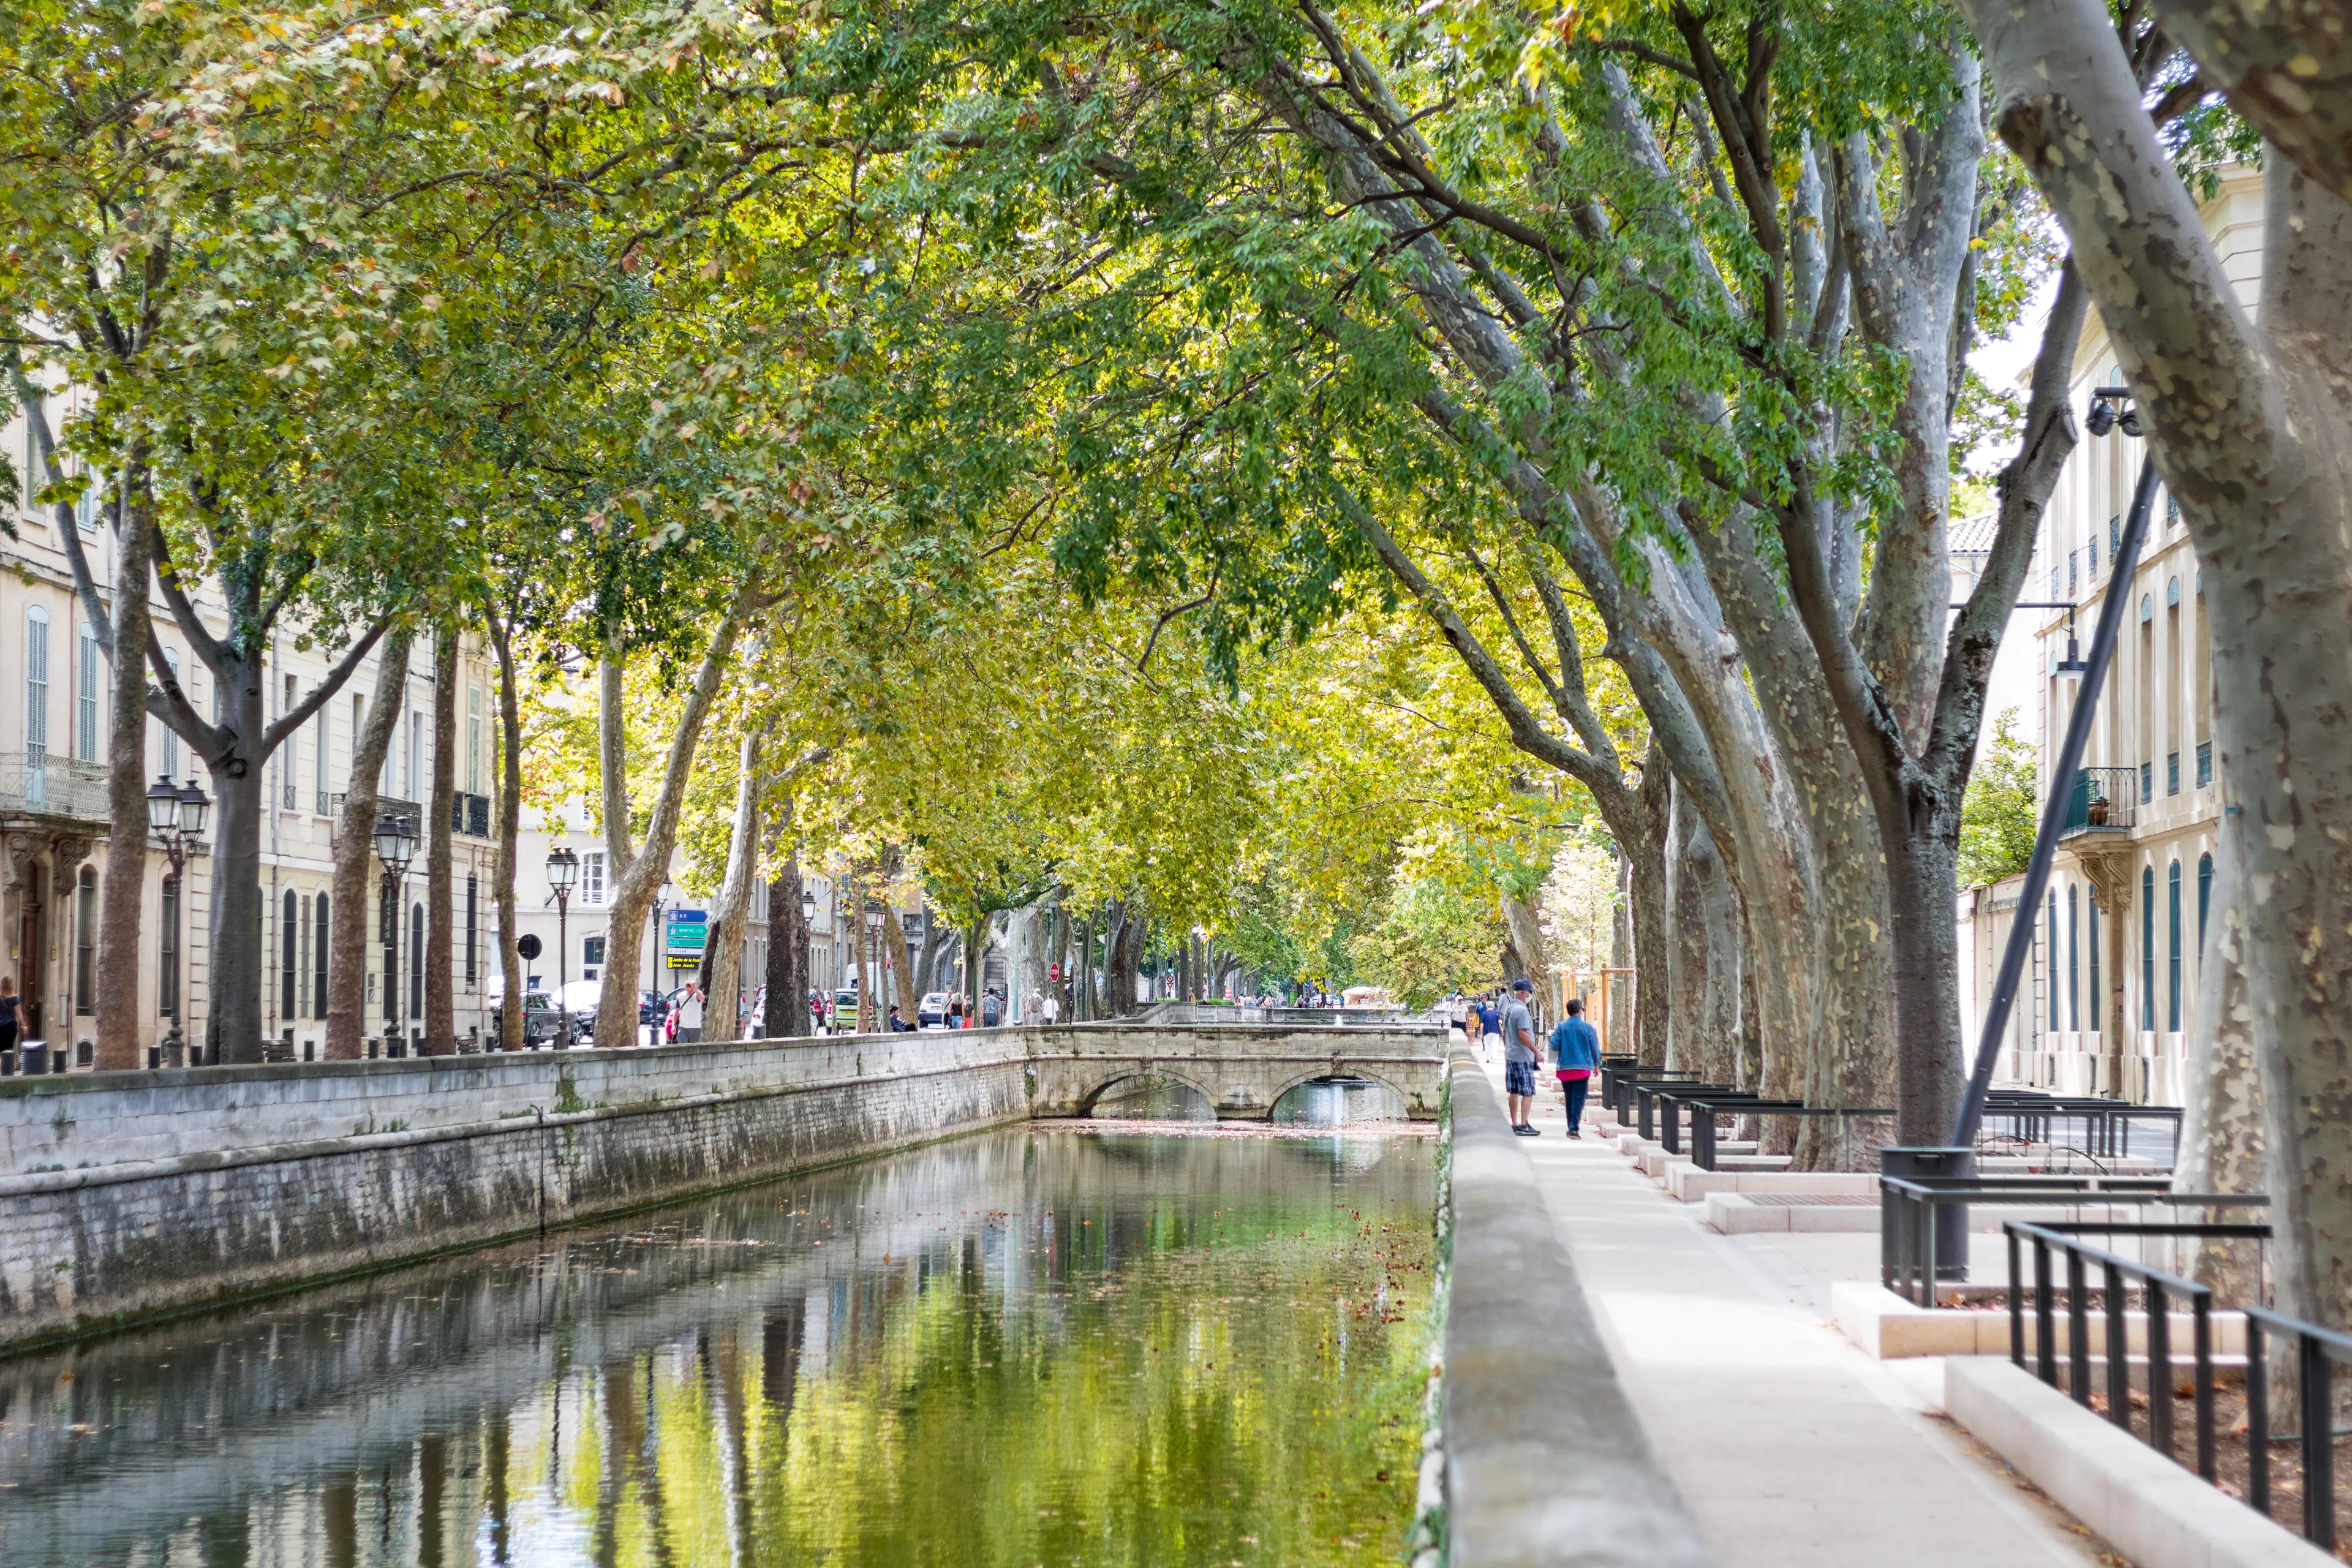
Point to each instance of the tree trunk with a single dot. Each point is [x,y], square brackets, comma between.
[510,1024]
[440,900]
[2221,1144]
[787,1014]
[638,873]
[869,1016]
[124,892]
[1687,947]
[234,958]
[2250,425]
[901,985]
[724,1002]
[1718,1032]
[1527,942]
[354,852]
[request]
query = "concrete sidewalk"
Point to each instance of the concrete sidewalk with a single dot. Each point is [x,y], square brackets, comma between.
[1791,1444]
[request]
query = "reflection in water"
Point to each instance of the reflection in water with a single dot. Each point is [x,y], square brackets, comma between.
[1336,1102]
[1027,1347]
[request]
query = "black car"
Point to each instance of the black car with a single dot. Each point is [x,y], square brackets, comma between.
[653,1006]
[541,1022]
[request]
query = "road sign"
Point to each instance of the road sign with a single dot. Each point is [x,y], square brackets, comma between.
[686,961]
[686,931]
[527,944]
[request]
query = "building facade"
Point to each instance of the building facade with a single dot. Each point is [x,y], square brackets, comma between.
[2112,988]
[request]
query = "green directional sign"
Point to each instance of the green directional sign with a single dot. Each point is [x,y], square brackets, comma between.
[686,931]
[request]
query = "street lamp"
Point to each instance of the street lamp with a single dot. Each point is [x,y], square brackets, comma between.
[563,870]
[808,948]
[395,846]
[866,1006]
[175,814]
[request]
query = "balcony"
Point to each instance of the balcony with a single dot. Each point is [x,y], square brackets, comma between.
[2103,800]
[53,785]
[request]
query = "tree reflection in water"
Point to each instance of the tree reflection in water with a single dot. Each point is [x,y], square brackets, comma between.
[1031,1346]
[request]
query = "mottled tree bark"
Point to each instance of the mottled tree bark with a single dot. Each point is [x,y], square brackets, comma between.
[503,878]
[725,993]
[787,1014]
[440,904]
[355,858]
[124,892]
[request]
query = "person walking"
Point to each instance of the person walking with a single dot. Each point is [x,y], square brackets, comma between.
[1519,1058]
[1473,1026]
[1490,1022]
[689,1013]
[1051,1011]
[1576,1050]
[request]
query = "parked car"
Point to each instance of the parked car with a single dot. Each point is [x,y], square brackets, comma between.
[931,1012]
[653,1006]
[845,1010]
[581,999]
[542,1025]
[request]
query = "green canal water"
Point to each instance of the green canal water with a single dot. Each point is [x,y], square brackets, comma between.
[1042,1346]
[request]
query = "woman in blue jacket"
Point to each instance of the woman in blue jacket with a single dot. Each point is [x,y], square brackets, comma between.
[1576,1047]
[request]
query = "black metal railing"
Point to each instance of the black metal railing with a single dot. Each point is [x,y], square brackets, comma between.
[1706,1103]
[2102,800]
[2315,1350]
[2158,1290]
[1915,1212]
[2034,1116]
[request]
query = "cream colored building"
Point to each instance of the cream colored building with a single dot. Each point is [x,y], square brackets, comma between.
[2107,1006]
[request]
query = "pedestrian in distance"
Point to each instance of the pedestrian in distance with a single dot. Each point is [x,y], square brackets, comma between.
[1490,1023]
[1051,1011]
[1473,1027]
[689,1013]
[1576,1050]
[1520,1056]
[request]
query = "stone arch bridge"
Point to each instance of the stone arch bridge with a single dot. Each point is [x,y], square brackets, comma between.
[1242,1069]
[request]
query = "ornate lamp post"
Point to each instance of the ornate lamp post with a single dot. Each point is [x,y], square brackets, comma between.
[395,846]
[808,946]
[175,814]
[562,871]
[871,1008]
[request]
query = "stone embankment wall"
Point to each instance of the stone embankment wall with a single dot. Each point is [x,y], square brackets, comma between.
[124,1194]
[129,1193]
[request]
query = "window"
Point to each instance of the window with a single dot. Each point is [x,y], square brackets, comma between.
[2098,997]
[2172,1010]
[473,740]
[415,961]
[171,746]
[2204,899]
[36,685]
[289,757]
[2148,949]
[167,951]
[289,955]
[319,961]
[592,877]
[2204,763]
[92,502]
[301,977]
[86,943]
[473,928]
[2057,1017]
[2074,955]
[591,952]
[415,756]
[322,742]
[2146,783]
[85,690]
[2172,773]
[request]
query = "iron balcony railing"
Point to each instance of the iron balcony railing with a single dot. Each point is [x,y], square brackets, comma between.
[53,785]
[2102,800]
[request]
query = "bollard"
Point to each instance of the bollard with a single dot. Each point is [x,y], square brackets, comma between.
[1952,1220]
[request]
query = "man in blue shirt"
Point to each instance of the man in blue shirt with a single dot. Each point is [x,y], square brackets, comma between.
[1576,1047]
[1490,1020]
[1520,1055]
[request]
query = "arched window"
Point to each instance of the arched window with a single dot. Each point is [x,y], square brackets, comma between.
[2148,949]
[2204,898]
[2073,958]
[2172,1008]
[415,961]
[318,960]
[289,955]
[86,943]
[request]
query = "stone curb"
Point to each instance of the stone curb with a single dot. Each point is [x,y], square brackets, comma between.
[2154,1512]
[1546,1462]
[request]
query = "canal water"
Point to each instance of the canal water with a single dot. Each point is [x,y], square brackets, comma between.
[1049,1345]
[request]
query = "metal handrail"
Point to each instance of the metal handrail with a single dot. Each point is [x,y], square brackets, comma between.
[1911,1214]
[2156,1286]
[2314,1347]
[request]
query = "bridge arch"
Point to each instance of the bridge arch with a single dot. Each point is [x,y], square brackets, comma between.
[1129,1072]
[1352,1073]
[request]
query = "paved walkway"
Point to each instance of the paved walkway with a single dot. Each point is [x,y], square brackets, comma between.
[1792,1446]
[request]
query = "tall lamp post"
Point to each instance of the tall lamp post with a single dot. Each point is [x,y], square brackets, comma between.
[395,846]
[874,954]
[175,814]
[562,871]
[808,947]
